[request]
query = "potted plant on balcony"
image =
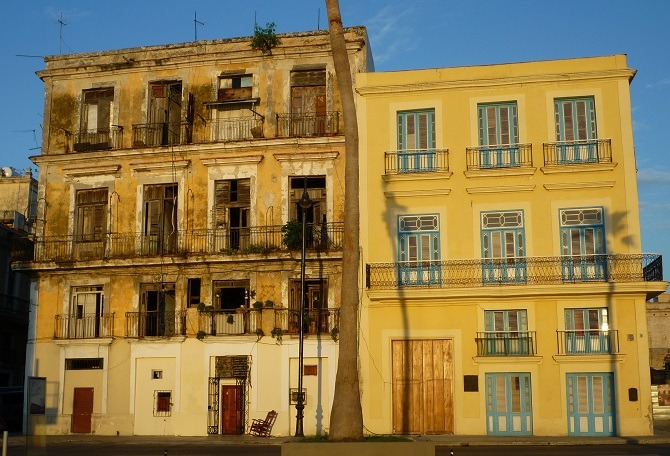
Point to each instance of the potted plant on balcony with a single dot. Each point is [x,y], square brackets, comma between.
[292,234]
[278,335]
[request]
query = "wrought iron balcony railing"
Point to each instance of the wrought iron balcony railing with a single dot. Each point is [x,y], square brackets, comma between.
[162,134]
[260,239]
[416,161]
[85,140]
[235,129]
[588,341]
[506,343]
[315,321]
[578,152]
[69,326]
[516,271]
[303,125]
[499,156]
[155,324]
[229,322]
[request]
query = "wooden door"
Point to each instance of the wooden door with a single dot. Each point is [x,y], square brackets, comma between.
[82,410]
[232,411]
[423,386]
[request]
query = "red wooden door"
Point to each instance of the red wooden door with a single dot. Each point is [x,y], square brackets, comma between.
[82,410]
[231,410]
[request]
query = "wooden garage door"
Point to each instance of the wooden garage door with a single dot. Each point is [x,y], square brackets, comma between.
[423,386]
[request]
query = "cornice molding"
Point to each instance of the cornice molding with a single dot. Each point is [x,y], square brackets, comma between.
[489,82]
[78,171]
[141,167]
[501,172]
[309,156]
[417,193]
[223,161]
[500,189]
[578,185]
[417,177]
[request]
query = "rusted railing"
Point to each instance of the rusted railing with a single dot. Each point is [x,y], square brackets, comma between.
[416,161]
[229,322]
[69,326]
[155,324]
[236,129]
[516,271]
[315,321]
[506,343]
[162,134]
[260,239]
[588,341]
[301,125]
[499,156]
[85,140]
[576,152]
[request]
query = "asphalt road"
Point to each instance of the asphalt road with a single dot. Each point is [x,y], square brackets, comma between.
[191,449]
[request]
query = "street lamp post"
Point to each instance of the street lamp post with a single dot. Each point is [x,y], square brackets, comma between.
[305,203]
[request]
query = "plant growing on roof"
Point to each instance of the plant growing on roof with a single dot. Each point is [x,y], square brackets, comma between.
[265,38]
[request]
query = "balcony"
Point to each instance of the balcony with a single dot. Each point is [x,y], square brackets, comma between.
[83,327]
[229,322]
[499,156]
[506,343]
[87,140]
[307,125]
[416,161]
[155,324]
[578,152]
[252,240]
[236,129]
[315,321]
[644,267]
[588,342]
[162,134]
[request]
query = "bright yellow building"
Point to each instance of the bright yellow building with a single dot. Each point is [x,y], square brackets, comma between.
[505,286]
[167,262]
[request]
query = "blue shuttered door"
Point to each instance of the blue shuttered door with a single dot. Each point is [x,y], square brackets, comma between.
[591,404]
[576,130]
[583,245]
[498,135]
[508,404]
[418,249]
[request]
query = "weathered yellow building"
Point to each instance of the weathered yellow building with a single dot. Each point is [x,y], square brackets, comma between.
[505,285]
[168,256]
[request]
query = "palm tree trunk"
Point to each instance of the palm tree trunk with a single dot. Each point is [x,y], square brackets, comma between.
[346,416]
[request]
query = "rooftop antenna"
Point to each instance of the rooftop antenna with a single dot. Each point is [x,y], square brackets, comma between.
[318,20]
[195,24]
[60,33]
[255,23]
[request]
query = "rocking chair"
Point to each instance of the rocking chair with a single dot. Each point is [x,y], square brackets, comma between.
[262,428]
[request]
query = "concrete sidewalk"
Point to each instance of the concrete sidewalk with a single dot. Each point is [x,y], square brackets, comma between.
[661,436]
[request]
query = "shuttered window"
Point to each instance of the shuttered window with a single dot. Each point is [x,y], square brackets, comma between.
[416,130]
[575,119]
[498,124]
[91,214]
[96,109]
[228,194]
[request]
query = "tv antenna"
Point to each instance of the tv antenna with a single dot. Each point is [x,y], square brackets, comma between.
[318,19]
[196,22]
[61,24]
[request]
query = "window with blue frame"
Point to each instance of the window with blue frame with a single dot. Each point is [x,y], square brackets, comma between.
[587,331]
[576,134]
[419,249]
[506,332]
[498,135]
[416,141]
[503,247]
[583,257]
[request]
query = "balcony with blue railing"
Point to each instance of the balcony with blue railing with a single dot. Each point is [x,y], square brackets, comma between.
[588,151]
[516,271]
[588,342]
[416,161]
[499,156]
[506,343]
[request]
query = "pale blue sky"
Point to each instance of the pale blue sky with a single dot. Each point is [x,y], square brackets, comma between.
[404,35]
